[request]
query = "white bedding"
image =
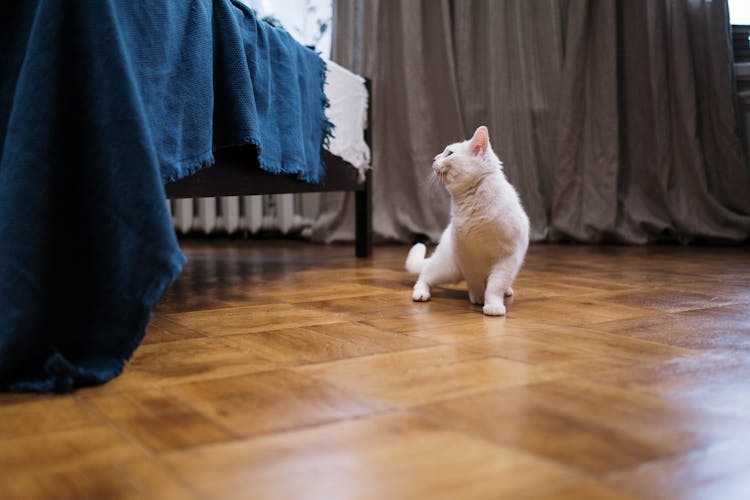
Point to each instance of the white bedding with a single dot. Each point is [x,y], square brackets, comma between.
[348,113]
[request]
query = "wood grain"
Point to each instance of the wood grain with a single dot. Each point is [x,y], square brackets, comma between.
[288,370]
[391,456]
[275,401]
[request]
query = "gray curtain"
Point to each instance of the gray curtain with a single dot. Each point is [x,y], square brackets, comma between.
[405,48]
[616,120]
[510,56]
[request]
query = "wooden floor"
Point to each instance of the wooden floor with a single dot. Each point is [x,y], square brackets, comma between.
[292,371]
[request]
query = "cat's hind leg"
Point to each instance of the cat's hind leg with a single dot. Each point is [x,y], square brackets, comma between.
[476,286]
[476,295]
[440,268]
[499,284]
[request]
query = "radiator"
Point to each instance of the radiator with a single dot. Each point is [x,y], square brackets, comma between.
[284,213]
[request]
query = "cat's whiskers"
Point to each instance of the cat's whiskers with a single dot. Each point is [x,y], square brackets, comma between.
[431,180]
[437,177]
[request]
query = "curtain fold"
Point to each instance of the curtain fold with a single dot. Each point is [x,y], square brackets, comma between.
[406,50]
[648,148]
[616,121]
[509,62]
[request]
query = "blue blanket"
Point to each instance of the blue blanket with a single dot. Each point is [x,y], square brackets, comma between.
[101,102]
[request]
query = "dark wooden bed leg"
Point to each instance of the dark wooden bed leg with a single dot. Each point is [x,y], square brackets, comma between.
[363,215]
[363,218]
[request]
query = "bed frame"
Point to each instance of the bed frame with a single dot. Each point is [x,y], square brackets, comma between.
[236,173]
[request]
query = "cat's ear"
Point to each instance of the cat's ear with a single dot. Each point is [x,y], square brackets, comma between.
[480,142]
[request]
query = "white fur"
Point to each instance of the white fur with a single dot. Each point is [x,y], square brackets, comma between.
[487,238]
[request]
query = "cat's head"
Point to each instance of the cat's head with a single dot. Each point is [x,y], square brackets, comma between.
[463,164]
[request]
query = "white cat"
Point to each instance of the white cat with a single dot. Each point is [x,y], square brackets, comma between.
[487,238]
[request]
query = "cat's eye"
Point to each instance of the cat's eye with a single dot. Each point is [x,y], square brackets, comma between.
[448,152]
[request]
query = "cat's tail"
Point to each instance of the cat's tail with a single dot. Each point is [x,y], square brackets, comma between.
[415,261]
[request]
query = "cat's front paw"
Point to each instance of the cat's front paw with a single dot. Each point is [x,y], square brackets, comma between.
[421,293]
[509,292]
[494,309]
